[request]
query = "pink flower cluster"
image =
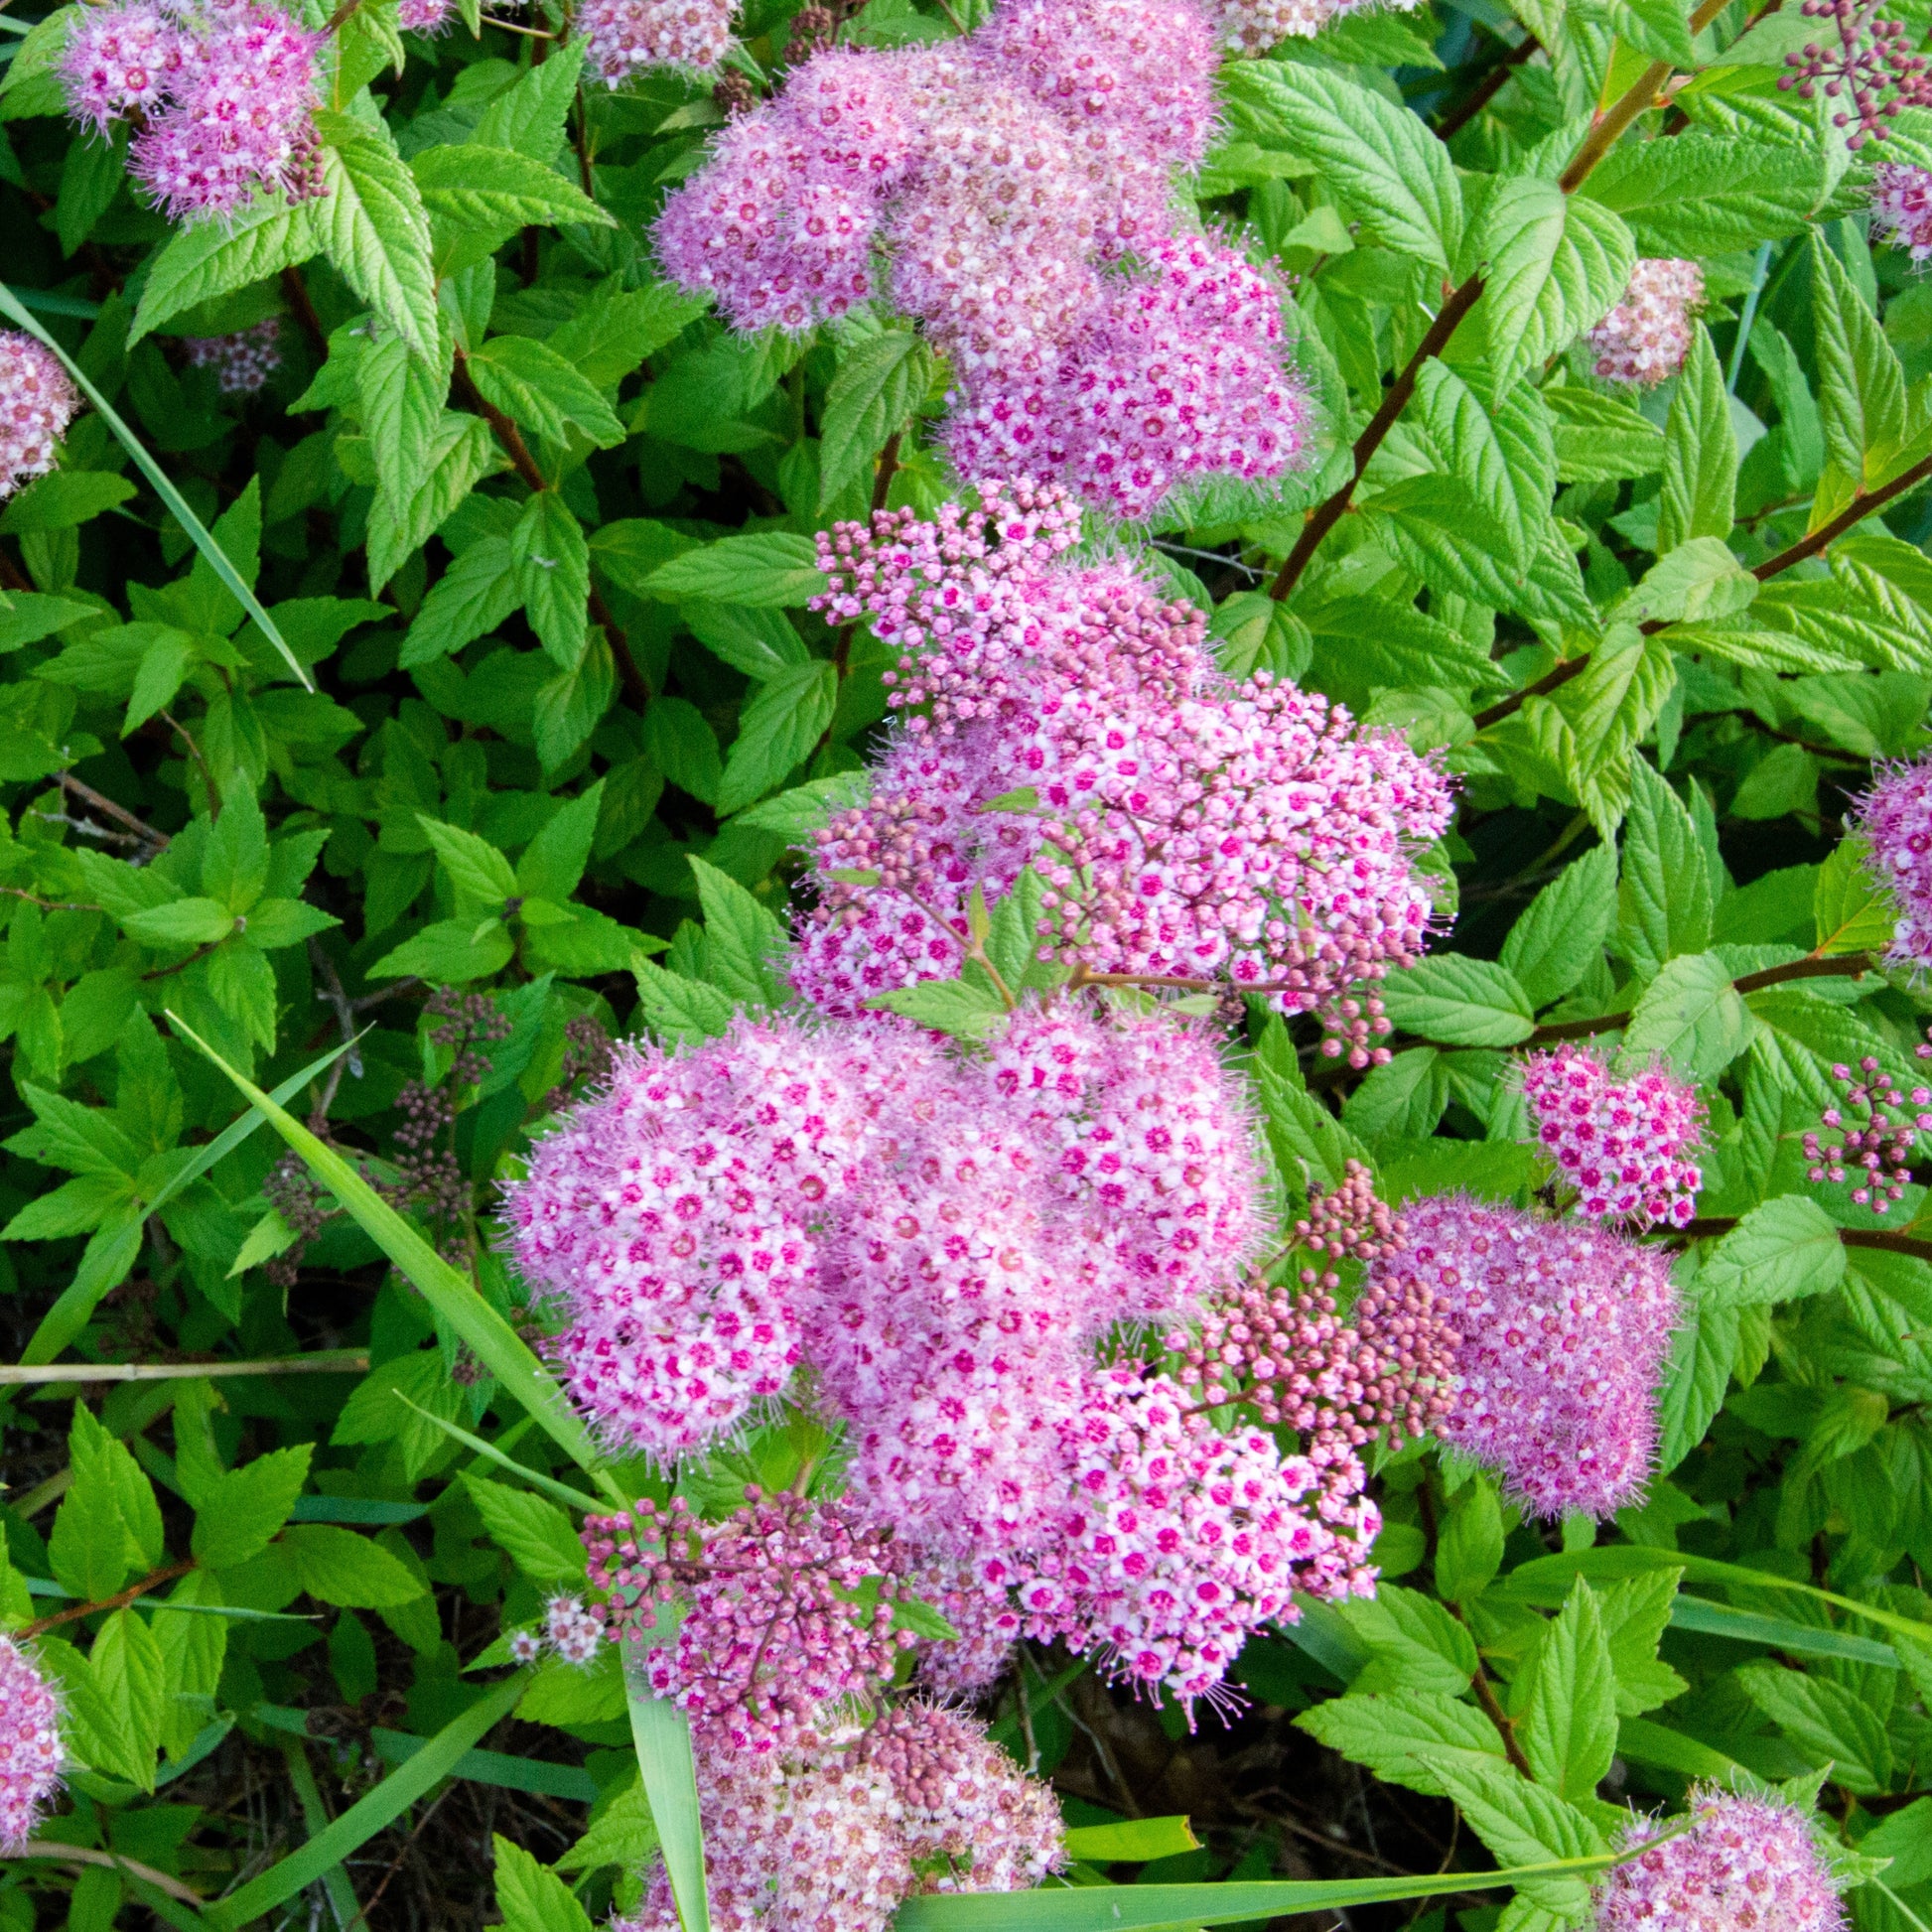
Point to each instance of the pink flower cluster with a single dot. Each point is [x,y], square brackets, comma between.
[1017,186]
[1895,819]
[225,95]
[244,361]
[1748,1864]
[623,37]
[1644,339]
[1901,206]
[1875,1141]
[834,1837]
[1249,836]
[1254,26]
[30,1746]
[37,403]
[1620,1144]
[1562,1333]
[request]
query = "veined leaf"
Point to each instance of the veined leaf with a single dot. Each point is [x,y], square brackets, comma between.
[1556,265]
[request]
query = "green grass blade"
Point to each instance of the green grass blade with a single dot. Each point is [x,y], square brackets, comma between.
[315,1814]
[451,1294]
[1174,1908]
[369,1813]
[1711,1619]
[662,1734]
[558,1491]
[12,308]
[81,1295]
[501,1768]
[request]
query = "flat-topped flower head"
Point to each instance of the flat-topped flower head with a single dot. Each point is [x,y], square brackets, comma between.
[244,361]
[1644,339]
[1901,208]
[1253,27]
[1895,819]
[625,37]
[30,1746]
[1747,1865]
[37,403]
[1562,1332]
[1621,1145]
[119,61]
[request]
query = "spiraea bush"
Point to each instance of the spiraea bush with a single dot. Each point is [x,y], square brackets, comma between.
[965,964]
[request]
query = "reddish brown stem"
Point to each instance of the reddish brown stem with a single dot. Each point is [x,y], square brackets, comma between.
[118,1602]
[1486,89]
[297,292]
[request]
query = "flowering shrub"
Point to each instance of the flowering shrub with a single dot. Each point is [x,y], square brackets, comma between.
[965,949]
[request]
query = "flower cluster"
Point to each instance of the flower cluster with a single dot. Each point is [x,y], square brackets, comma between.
[1875,1125]
[37,403]
[1869,65]
[1643,340]
[1254,836]
[1620,1144]
[1748,1864]
[1016,187]
[622,37]
[837,1834]
[775,1619]
[1348,1218]
[568,1630]
[224,94]
[30,1746]
[1895,819]
[1901,206]
[244,361]
[1562,1333]
[1252,27]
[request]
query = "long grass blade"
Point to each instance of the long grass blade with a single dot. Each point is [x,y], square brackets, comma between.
[557,1491]
[662,1734]
[1711,1619]
[15,311]
[369,1813]
[495,1343]
[501,1768]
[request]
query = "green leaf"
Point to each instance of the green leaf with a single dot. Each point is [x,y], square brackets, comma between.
[181,922]
[476,869]
[372,226]
[1780,1251]
[470,600]
[370,1813]
[1413,1643]
[1386,167]
[879,385]
[91,1549]
[1562,934]
[1601,439]
[1664,897]
[130,1676]
[1634,1616]
[1700,195]
[402,398]
[1460,1002]
[529,114]
[760,643]
[1703,1348]
[777,729]
[554,861]
[1700,453]
[1523,1823]
[1862,387]
[662,1737]
[1827,1722]
[533,385]
[460,453]
[532,1899]
[480,185]
[536,1535]
[552,562]
[1691,1014]
[1852,912]
[1658,28]
[1132,1840]
[1568,1726]
[770,569]
[745,938]
[64,499]
[1557,265]
[336,1566]
[622,1834]
[207,259]
[450,952]
[237,1514]
[1470,1550]
[679,1008]
[961,1008]
[1398,1735]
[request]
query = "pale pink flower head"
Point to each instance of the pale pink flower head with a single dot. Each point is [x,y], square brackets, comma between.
[1253,27]
[1644,339]
[625,37]
[37,403]
[571,1630]
[1621,1143]
[119,60]
[1895,818]
[1562,1333]
[1901,208]
[1748,1864]
[424,16]
[983,1614]
[242,362]
[1874,1125]
[1173,1541]
[1147,1143]
[30,1746]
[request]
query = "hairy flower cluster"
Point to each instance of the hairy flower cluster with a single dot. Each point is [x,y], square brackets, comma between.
[226,95]
[1253,836]
[37,403]
[1253,27]
[835,1836]
[1563,1331]
[30,1746]
[1901,208]
[1869,63]
[623,37]
[1875,1125]
[1644,339]
[774,1626]
[1014,187]
[1747,1865]
[568,1630]
[242,362]
[1895,819]
[1620,1144]
[1348,1219]
[1175,1540]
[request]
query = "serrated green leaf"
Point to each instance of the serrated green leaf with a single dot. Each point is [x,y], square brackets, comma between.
[371,222]
[1556,265]
[1460,1002]
[238,1513]
[1700,453]
[535,1534]
[1779,1251]
[880,382]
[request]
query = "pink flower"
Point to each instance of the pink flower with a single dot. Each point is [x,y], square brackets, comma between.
[424,16]
[1895,819]
[571,1630]
[30,1746]
[623,37]
[1562,1333]
[244,361]
[119,60]
[1874,1143]
[1620,1144]
[1901,206]
[37,403]
[1748,1864]
[1253,27]
[1645,338]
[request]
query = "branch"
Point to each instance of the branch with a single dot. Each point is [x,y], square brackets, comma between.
[1882,1239]
[1639,96]
[118,1602]
[1844,966]
[43,1848]
[297,291]
[1486,89]
[324,1361]
[102,803]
